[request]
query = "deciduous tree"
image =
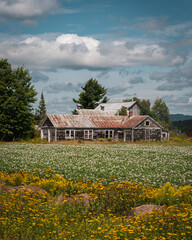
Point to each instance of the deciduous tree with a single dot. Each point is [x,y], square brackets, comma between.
[162,111]
[145,106]
[122,111]
[16,98]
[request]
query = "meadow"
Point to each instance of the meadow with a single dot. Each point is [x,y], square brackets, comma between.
[145,163]
[116,177]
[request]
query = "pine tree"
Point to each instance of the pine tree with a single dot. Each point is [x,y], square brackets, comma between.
[93,94]
[41,111]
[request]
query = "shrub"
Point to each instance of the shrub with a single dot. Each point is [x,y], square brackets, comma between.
[109,139]
[101,139]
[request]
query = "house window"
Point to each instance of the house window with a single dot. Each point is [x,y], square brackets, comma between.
[147,123]
[109,134]
[88,134]
[69,134]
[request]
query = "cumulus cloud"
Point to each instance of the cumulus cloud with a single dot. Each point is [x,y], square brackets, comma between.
[176,79]
[26,9]
[75,52]
[64,87]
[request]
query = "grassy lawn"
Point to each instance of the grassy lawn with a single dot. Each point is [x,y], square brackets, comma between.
[145,163]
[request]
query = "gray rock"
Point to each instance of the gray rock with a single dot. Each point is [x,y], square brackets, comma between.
[143,209]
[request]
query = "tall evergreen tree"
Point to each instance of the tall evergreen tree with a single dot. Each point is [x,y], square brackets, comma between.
[16,98]
[92,95]
[41,111]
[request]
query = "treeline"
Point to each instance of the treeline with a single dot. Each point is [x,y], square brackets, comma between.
[183,127]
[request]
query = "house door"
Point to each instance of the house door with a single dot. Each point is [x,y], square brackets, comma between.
[128,135]
[147,134]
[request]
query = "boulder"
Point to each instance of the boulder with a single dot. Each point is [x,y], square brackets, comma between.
[143,209]
[85,198]
[7,188]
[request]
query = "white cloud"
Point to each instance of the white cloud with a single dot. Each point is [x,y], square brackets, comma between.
[75,52]
[26,9]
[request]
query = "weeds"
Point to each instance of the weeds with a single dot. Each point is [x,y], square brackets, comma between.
[34,215]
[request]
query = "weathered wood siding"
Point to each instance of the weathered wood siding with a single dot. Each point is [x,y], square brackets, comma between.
[144,124]
[79,134]
[47,123]
[135,110]
[148,130]
[44,133]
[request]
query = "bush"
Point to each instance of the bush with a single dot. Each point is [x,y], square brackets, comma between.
[109,139]
[101,139]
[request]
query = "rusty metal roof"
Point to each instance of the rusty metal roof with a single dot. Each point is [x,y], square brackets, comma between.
[99,121]
[93,112]
[134,121]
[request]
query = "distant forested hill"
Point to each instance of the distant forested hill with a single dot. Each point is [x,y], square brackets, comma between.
[179,117]
[184,126]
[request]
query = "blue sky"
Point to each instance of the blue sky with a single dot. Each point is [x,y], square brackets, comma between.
[139,48]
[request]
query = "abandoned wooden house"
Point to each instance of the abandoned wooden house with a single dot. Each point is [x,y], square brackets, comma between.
[102,123]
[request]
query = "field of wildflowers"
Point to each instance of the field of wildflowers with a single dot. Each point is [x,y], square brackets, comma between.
[36,215]
[116,177]
[145,163]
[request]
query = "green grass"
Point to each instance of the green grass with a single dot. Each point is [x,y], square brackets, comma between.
[146,163]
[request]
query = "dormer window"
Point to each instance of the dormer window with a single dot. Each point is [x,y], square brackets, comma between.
[147,123]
